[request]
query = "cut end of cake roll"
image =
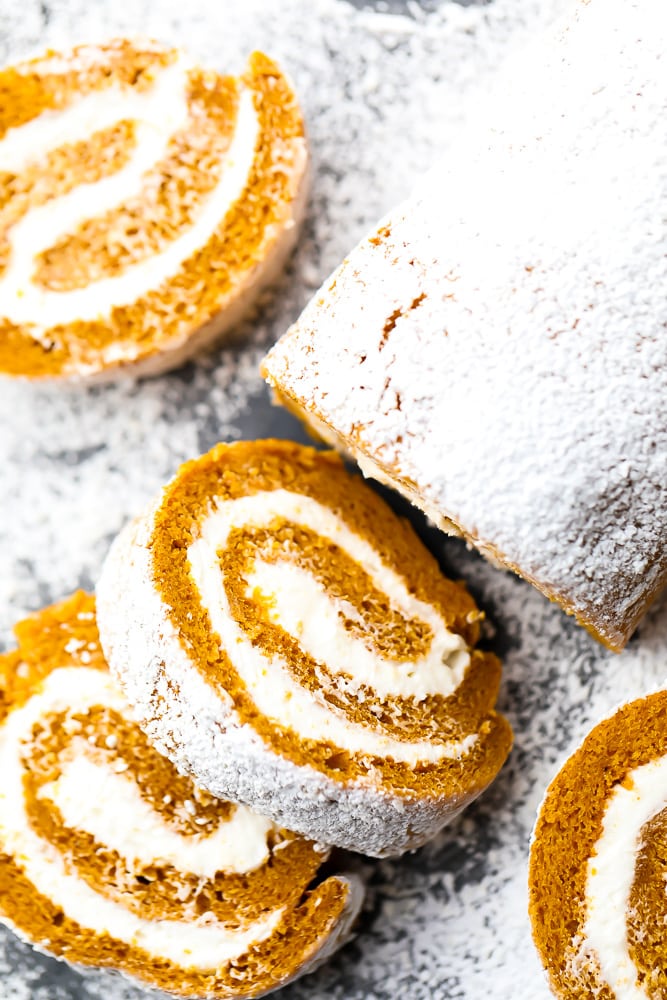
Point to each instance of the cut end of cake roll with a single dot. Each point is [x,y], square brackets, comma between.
[598,864]
[495,350]
[144,203]
[286,639]
[150,875]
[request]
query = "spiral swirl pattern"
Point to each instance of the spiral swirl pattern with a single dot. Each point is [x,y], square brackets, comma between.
[271,584]
[598,861]
[140,199]
[108,856]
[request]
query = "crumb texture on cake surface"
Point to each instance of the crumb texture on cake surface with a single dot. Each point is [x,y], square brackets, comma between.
[284,636]
[144,200]
[496,348]
[597,865]
[150,875]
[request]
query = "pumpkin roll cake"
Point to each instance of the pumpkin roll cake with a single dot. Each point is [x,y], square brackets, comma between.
[286,639]
[109,857]
[143,203]
[495,349]
[598,862]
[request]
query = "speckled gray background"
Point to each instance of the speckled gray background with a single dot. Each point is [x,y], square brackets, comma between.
[382,97]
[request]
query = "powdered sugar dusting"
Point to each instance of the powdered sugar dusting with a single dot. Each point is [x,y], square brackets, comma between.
[450,920]
[531,266]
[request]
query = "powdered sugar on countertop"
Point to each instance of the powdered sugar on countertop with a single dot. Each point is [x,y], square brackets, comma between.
[381,98]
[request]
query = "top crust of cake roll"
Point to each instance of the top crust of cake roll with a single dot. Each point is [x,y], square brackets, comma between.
[284,636]
[109,857]
[143,203]
[496,349]
[598,864]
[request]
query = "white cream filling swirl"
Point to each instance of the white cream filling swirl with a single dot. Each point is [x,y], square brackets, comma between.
[108,806]
[611,873]
[158,114]
[306,611]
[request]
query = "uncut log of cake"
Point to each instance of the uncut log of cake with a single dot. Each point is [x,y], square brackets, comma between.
[286,639]
[496,349]
[598,863]
[143,203]
[109,857]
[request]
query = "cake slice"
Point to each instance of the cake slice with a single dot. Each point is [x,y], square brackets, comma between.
[143,203]
[109,857]
[496,349]
[287,640]
[598,864]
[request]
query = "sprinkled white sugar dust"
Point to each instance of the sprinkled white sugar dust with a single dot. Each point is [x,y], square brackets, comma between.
[383,94]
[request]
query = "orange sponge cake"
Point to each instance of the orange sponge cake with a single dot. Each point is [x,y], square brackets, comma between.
[287,640]
[143,202]
[598,864]
[109,857]
[495,350]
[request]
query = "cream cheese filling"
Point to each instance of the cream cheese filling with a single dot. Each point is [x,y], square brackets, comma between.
[313,618]
[611,873]
[200,943]
[158,113]
[301,606]
[133,829]
[162,110]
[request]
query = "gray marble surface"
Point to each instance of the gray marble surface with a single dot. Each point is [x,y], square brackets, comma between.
[382,99]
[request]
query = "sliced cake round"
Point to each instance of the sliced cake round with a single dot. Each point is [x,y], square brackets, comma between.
[109,857]
[598,862]
[286,639]
[143,202]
